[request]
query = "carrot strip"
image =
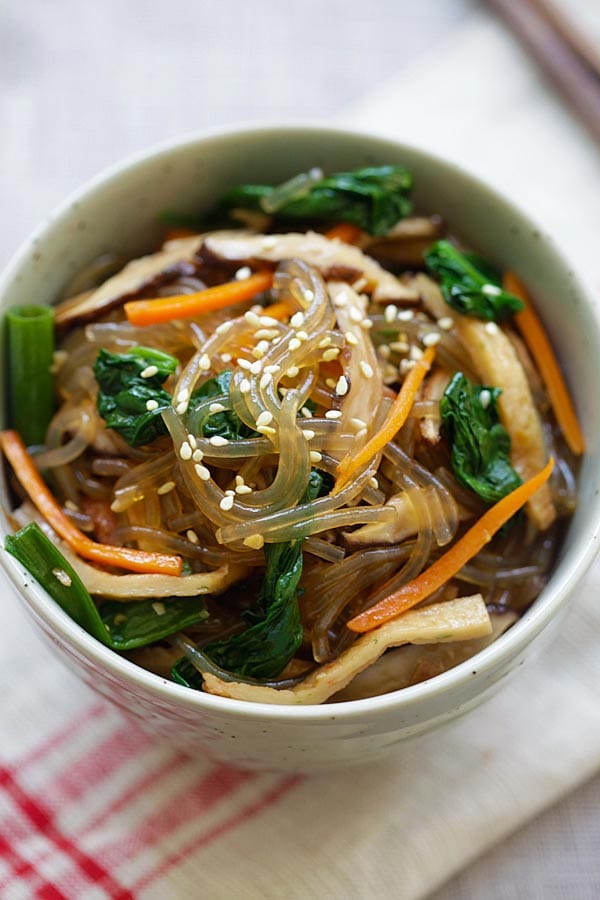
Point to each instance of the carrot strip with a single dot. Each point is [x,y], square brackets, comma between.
[278,311]
[535,337]
[396,418]
[183,306]
[448,565]
[122,557]
[345,232]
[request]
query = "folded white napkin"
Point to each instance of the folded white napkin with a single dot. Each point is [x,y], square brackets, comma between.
[91,808]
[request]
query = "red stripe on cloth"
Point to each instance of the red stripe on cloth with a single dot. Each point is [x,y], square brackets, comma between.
[43,824]
[66,733]
[202,840]
[25,870]
[189,804]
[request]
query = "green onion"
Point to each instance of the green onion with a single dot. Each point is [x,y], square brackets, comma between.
[30,337]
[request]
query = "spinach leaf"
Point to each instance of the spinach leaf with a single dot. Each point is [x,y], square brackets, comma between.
[226,424]
[185,673]
[121,626]
[373,198]
[264,649]
[469,284]
[480,444]
[124,394]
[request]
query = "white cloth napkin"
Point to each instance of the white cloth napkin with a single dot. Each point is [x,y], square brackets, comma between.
[91,808]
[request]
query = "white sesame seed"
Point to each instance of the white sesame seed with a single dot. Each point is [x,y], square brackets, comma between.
[266,334]
[252,318]
[333,414]
[355,315]
[309,295]
[485,398]
[265,381]
[265,429]
[181,408]
[431,339]
[445,323]
[416,352]
[223,328]
[202,472]
[360,434]
[245,386]
[366,369]
[325,342]
[149,372]
[260,349]
[384,351]
[183,395]
[406,365]
[185,451]
[405,315]
[390,313]
[399,346]
[491,328]
[315,456]
[243,273]
[239,479]
[265,418]
[366,324]
[192,441]
[227,502]
[308,434]
[217,441]
[357,424]
[269,242]
[271,370]
[230,493]
[254,541]
[244,363]
[204,363]
[243,489]
[491,290]
[297,320]
[159,608]
[302,336]
[292,371]
[226,357]
[341,301]
[63,577]
[197,455]
[294,344]
[165,488]
[341,387]
[151,405]
[192,536]
[268,321]
[256,367]
[330,354]
[372,482]
[216,408]
[351,338]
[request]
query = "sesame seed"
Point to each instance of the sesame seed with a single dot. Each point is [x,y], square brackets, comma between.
[341,387]
[297,320]
[366,369]
[357,424]
[243,489]
[292,371]
[192,441]
[399,346]
[416,352]
[204,364]
[252,318]
[331,383]
[333,414]
[445,323]
[331,354]
[366,324]
[268,321]
[491,328]
[185,451]
[197,455]
[227,502]
[271,370]
[226,357]
[63,577]
[165,488]
[243,273]
[256,367]
[302,336]
[183,395]
[355,315]
[265,381]
[260,349]
[149,372]
[405,315]
[202,472]
[181,408]
[390,313]
[309,295]
[360,434]
[159,608]
[325,342]
[245,386]
[341,301]
[269,242]
[192,536]
[265,418]
[244,363]
[315,456]
[223,328]
[308,434]
[372,482]
[216,408]
[306,412]
[254,541]
[294,344]
[406,365]
[485,398]
[491,290]
[384,351]
[217,441]
[351,338]
[230,493]
[266,334]
[265,429]
[151,405]
[239,479]
[431,339]
[360,284]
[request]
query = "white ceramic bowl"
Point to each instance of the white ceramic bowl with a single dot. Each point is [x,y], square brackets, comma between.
[119,210]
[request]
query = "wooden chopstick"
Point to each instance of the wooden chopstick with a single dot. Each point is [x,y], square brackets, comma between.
[561,50]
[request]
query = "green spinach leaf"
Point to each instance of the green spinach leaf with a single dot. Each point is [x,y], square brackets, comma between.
[480,445]
[226,424]
[469,284]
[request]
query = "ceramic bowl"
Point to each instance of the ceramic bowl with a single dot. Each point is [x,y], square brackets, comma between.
[119,210]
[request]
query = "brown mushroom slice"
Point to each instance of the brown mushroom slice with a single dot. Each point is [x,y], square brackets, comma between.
[455,620]
[406,243]
[315,249]
[175,259]
[433,391]
[411,664]
[404,525]
[497,363]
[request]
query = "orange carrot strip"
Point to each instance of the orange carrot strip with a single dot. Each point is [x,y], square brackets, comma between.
[183,306]
[345,232]
[448,565]
[278,311]
[122,557]
[540,348]
[396,418]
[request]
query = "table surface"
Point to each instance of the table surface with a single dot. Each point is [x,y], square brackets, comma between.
[82,85]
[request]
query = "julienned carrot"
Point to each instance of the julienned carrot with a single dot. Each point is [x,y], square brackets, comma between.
[396,418]
[345,232]
[540,348]
[278,311]
[183,306]
[122,557]
[448,565]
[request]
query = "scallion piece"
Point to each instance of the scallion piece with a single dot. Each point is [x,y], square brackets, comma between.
[30,354]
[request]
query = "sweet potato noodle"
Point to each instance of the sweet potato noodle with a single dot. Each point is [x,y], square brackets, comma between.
[268,400]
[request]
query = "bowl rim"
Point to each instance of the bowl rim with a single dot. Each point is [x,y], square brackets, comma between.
[509,645]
